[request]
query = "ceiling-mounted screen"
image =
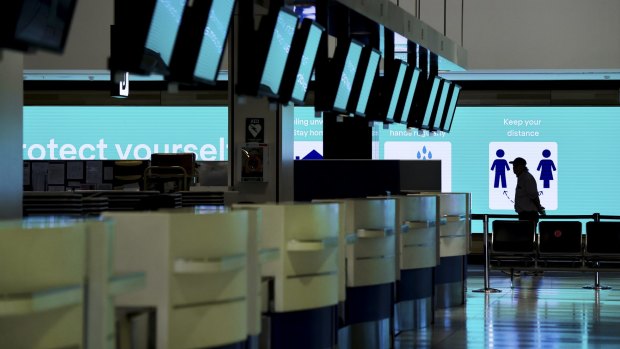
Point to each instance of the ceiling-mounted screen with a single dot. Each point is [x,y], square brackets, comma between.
[200,41]
[163,30]
[369,78]
[279,48]
[347,75]
[214,40]
[413,84]
[300,62]
[430,105]
[36,24]
[144,35]
[441,106]
[395,89]
[446,121]
[304,73]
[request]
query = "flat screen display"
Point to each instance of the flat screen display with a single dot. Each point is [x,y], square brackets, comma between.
[278,51]
[431,103]
[348,74]
[214,39]
[369,77]
[165,27]
[447,124]
[442,104]
[44,24]
[410,93]
[307,63]
[398,85]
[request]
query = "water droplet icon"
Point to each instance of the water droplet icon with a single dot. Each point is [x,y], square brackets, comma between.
[424,149]
[430,155]
[419,155]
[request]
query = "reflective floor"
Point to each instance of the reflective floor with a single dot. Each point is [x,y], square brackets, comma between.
[552,311]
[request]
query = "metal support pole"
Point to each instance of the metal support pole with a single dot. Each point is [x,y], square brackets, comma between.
[597,281]
[487,259]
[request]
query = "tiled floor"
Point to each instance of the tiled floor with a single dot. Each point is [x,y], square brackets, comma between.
[552,311]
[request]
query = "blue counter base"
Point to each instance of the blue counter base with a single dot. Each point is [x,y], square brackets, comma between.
[413,315]
[367,317]
[368,303]
[305,329]
[414,299]
[366,335]
[450,282]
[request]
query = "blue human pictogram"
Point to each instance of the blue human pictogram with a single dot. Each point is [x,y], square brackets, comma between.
[546,168]
[425,154]
[500,166]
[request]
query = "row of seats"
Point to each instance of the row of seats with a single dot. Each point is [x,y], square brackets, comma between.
[557,242]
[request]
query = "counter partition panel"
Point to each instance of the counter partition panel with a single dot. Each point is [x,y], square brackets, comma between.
[454,245]
[418,255]
[300,278]
[370,256]
[196,274]
[43,268]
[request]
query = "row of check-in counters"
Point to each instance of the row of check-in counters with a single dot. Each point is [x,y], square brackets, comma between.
[349,273]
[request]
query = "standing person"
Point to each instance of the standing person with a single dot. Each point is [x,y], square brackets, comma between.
[527,202]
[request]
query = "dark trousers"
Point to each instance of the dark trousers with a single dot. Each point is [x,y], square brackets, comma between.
[531,216]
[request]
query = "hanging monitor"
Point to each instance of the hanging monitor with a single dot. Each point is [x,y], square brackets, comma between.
[144,35]
[441,106]
[201,40]
[430,104]
[277,54]
[394,87]
[344,64]
[411,84]
[300,63]
[365,77]
[28,25]
[448,117]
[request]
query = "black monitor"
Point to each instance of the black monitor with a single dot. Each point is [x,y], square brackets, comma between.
[394,88]
[448,117]
[442,105]
[407,108]
[300,63]
[144,35]
[201,40]
[343,68]
[429,108]
[27,25]
[367,72]
[280,32]
[407,95]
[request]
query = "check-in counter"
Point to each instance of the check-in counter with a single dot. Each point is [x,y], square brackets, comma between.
[74,253]
[369,225]
[454,244]
[104,285]
[418,255]
[300,280]
[42,275]
[196,274]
